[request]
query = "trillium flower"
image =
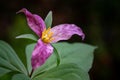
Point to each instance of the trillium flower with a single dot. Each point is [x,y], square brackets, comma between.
[43,49]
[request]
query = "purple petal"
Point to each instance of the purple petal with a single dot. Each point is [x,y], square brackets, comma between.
[35,22]
[40,54]
[65,31]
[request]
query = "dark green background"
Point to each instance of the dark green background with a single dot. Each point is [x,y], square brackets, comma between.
[99,19]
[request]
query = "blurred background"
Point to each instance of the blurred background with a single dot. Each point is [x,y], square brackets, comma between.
[99,20]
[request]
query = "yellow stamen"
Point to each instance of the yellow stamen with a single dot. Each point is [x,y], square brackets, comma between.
[47,35]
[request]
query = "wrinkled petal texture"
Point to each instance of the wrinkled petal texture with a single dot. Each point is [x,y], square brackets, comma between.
[40,54]
[65,31]
[34,21]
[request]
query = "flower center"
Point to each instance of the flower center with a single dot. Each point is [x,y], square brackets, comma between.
[47,35]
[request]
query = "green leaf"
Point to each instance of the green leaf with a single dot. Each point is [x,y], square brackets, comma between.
[27,36]
[48,20]
[57,55]
[4,71]
[50,63]
[64,72]
[20,77]
[76,53]
[9,60]
[29,50]
[6,64]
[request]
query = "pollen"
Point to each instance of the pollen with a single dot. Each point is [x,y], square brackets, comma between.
[47,35]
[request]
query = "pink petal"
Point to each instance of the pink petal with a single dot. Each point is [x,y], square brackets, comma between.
[65,31]
[40,54]
[35,22]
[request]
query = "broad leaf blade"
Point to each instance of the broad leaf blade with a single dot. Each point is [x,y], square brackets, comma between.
[57,55]
[9,59]
[48,19]
[27,36]
[6,64]
[77,53]
[20,77]
[4,71]
[50,63]
[29,50]
[64,72]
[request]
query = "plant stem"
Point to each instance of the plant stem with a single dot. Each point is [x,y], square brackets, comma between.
[31,73]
